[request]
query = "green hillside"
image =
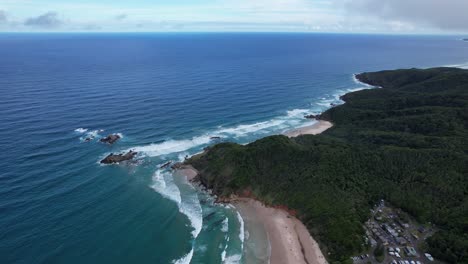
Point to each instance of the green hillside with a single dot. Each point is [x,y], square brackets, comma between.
[406,143]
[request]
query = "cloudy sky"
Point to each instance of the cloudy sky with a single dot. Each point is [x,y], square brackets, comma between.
[358,16]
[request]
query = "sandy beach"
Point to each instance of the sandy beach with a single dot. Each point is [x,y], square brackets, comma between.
[314,129]
[289,239]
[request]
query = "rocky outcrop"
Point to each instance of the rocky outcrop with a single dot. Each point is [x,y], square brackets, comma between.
[165,165]
[113,158]
[311,116]
[110,139]
[177,166]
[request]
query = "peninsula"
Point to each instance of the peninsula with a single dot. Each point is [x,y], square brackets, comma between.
[405,142]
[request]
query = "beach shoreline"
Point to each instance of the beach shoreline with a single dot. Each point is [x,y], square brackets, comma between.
[289,240]
[286,241]
[314,129]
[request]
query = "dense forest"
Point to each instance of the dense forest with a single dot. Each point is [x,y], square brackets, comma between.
[406,142]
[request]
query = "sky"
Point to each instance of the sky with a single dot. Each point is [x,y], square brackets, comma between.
[336,16]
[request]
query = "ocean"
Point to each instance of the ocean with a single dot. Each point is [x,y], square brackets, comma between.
[166,94]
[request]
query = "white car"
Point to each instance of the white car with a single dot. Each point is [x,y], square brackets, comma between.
[429,256]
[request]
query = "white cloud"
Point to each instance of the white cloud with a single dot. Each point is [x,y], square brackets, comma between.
[449,15]
[251,15]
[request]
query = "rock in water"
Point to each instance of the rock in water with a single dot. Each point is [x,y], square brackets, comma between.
[111,139]
[311,116]
[112,158]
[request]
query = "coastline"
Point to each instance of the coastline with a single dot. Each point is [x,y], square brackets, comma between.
[289,240]
[314,129]
[276,235]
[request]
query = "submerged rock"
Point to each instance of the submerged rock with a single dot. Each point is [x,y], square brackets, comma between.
[111,139]
[166,164]
[112,158]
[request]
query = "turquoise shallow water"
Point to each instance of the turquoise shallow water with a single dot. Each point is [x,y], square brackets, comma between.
[167,94]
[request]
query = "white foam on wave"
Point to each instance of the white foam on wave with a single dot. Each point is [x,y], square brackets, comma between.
[184,147]
[88,135]
[185,259]
[191,207]
[163,183]
[172,146]
[256,128]
[234,259]
[224,253]
[81,130]
[188,204]
[225,225]
[241,229]
[94,133]
[297,113]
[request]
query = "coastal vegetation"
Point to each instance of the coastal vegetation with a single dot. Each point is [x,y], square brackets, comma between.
[406,143]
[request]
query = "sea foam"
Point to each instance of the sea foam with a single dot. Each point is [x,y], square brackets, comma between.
[225,225]
[184,147]
[172,146]
[185,259]
[241,229]
[188,203]
[81,130]
[163,183]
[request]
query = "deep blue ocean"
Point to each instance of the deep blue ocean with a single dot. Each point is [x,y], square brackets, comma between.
[167,94]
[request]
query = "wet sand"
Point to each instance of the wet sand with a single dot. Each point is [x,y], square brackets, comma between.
[290,241]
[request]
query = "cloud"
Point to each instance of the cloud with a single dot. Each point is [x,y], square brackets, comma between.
[121,17]
[47,20]
[448,15]
[3,17]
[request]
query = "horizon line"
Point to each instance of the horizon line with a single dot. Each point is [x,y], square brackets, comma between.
[237,32]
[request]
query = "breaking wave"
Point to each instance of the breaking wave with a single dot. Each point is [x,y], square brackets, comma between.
[225,225]
[186,197]
[185,259]
[188,204]
[241,229]
[81,130]
[163,183]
